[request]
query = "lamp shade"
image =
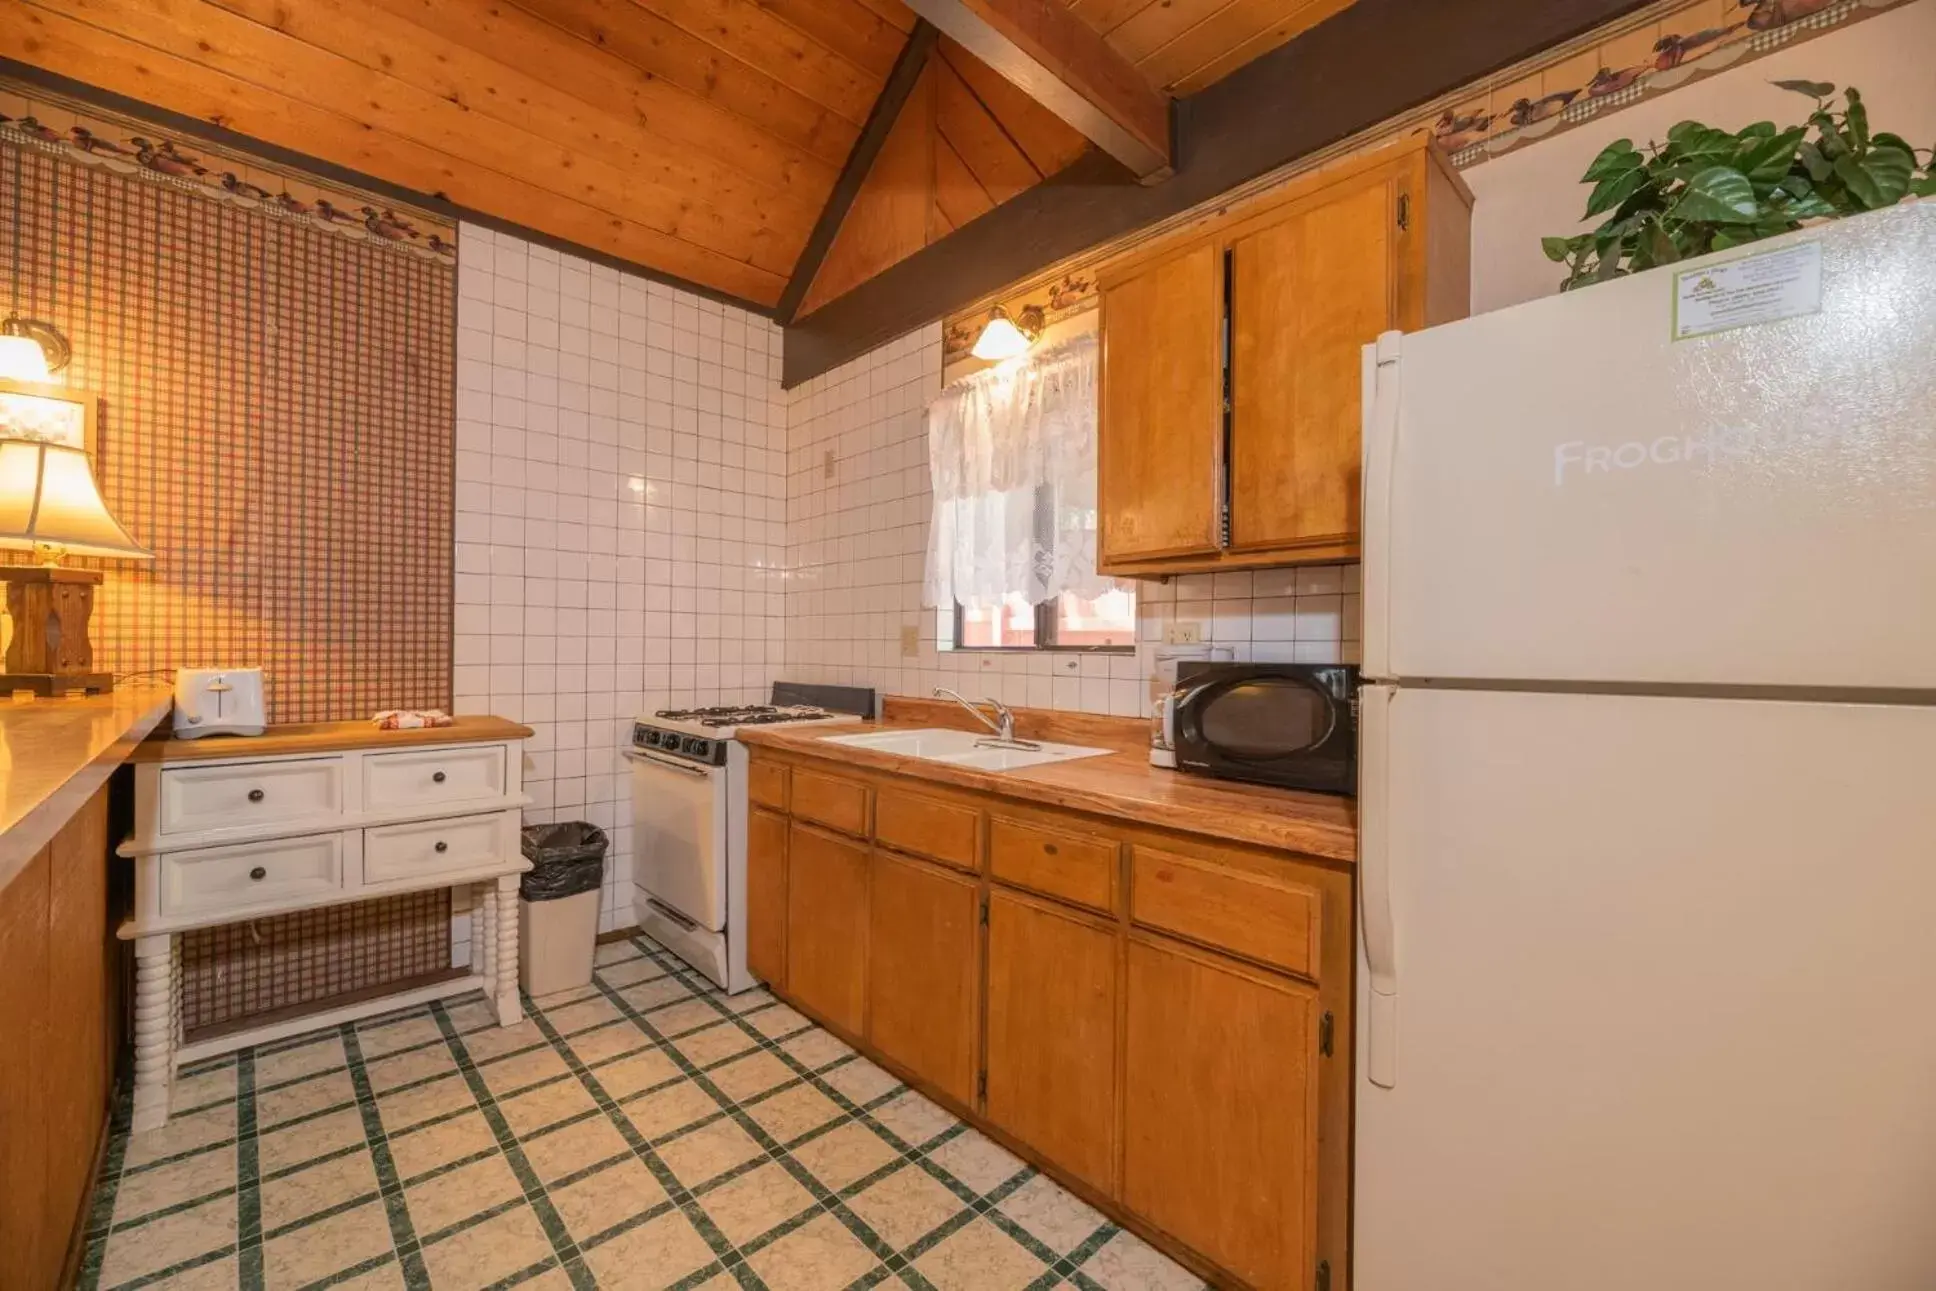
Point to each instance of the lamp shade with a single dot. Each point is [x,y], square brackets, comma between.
[1000,338]
[23,359]
[48,496]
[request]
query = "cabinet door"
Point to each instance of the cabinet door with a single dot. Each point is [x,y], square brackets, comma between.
[1220,1111]
[922,971]
[1160,440]
[30,1233]
[74,1096]
[1052,1004]
[766,897]
[826,932]
[1307,294]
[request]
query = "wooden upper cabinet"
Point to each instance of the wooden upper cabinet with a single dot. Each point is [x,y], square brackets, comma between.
[1315,271]
[826,927]
[1052,1033]
[1160,457]
[1220,1111]
[1306,295]
[766,896]
[924,971]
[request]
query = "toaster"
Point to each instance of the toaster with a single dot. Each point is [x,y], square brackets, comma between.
[218,701]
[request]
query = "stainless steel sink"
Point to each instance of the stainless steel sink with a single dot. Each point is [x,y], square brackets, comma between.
[964,749]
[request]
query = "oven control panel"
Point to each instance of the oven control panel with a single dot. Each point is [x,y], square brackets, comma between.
[686,748]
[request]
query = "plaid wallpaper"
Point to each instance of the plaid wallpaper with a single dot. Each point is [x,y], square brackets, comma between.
[277,421]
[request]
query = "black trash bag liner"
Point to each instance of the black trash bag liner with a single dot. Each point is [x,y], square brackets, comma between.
[566,858]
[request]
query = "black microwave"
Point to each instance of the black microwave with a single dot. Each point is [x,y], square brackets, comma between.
[1288,724]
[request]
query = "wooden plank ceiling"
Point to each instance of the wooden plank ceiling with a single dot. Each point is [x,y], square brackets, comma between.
[965,141]
[699,138]
[1181,46]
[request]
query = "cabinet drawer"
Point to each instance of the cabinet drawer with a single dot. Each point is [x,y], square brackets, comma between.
[1259,916]
[766,784]
[425,847]
[830,800]
[427,778]
[246,794]
[226,880]
[921,826]
[1075,867]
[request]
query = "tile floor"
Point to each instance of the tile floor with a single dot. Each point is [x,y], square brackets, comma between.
[645,1132]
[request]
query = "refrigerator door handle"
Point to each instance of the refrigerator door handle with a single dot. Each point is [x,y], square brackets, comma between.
[1381,396]
[1374,885]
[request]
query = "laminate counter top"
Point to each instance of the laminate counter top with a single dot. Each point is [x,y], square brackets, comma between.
[1121,783]
[54,755]
[329,737]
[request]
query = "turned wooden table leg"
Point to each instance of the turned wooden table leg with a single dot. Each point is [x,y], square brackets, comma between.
[504,992]
[484,933]
[156,1016]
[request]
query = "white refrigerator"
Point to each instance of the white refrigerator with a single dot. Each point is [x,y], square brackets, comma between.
[1647,982]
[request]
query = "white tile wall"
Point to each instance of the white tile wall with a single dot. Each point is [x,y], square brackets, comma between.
[621,515]
[858,504]
[645,520]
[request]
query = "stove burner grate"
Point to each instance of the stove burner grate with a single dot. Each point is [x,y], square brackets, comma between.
[745,714]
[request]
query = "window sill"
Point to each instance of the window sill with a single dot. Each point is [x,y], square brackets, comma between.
[1059,649]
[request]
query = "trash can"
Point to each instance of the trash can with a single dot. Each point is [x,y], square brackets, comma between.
[558,905]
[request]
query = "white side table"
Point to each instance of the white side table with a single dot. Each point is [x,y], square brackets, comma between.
[234,829]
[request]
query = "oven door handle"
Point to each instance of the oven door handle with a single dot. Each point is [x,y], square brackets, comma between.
[638,756]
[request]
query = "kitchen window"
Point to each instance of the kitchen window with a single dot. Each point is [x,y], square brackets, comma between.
[1012,547]
[1070,622]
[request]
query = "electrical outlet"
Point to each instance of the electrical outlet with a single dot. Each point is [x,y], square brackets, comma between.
[1183,633]
[910,641]
[827,465]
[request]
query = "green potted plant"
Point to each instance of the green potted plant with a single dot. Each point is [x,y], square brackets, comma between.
[1707,189]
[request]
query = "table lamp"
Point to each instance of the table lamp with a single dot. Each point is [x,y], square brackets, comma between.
[50,505]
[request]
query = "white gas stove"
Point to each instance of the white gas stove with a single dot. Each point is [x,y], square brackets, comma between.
[689,819]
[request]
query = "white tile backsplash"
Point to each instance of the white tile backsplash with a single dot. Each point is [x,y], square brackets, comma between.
[645,520]
[858,504]
[621,515]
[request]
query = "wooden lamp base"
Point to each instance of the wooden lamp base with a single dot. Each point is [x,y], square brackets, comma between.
[49,652]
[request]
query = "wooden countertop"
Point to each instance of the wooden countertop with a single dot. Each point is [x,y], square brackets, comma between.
[1122,783]
[326,737]
[54,754]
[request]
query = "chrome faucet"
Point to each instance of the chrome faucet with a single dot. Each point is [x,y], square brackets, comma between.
[1004,728]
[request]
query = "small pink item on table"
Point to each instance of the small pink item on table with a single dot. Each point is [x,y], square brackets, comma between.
[412,719]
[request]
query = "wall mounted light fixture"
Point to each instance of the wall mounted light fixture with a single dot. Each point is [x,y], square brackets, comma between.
[31,350]
[1005,338]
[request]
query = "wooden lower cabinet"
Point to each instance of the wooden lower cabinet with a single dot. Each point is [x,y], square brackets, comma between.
[766,891]
[826,926]
[1220,1109]
[924,971]
[1052,1024]
[27,1230]
[1138,1011]
[57,1074]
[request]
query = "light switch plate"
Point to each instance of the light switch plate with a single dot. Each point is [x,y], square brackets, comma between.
[910,641]
[1183,633]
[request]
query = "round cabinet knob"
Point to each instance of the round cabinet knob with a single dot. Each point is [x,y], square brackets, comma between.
[255,795]
[437,777]
[442,846]
[1049,849]
[258,874]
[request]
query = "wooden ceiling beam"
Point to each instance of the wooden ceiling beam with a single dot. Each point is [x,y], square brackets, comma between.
[1060,62]
[880,121]
[1372,62]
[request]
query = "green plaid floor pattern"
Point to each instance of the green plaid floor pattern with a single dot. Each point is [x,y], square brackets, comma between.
[644,1132]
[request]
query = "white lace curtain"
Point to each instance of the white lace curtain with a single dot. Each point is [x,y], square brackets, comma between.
[1012,450]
